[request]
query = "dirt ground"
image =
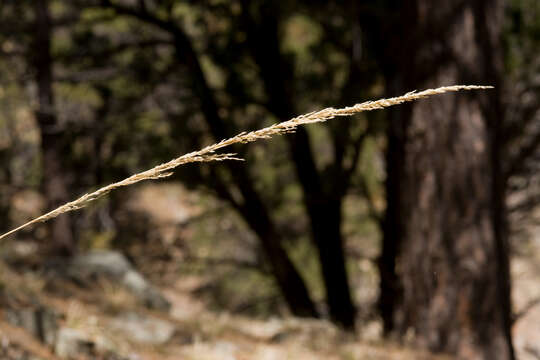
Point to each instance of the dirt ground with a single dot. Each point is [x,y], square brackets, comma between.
[103,313]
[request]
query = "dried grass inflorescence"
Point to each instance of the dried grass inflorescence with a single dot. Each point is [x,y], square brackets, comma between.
[208,153]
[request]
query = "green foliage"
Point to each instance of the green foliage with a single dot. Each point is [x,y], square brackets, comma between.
[522,35]
[129,97]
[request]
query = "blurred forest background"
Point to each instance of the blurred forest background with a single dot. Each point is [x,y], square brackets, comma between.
[411,232]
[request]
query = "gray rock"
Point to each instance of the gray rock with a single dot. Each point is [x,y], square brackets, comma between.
[115,265]
[14,351]
[72,343]
[76,344]
[40,321]
[143,329]
[105,262]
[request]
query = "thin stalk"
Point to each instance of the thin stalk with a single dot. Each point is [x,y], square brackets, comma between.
[208,153]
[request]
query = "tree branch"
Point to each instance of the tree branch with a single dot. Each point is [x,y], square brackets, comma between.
[113,50]
[142,15]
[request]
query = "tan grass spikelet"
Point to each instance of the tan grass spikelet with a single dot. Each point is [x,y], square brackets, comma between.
[208,153]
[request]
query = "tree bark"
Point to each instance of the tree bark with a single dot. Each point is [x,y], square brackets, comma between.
[390,292]
[55,181]
[289,281]
[322,202]
[253,210]
[342,309]
[448,263]
[488,35]
[396,58]
[452,254]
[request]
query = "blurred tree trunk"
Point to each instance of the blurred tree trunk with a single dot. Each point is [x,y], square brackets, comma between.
[289,280]
[55,182]
[449,264]
[322,200]
[445,237]
[395,55]
[393,222]
[250,206]
[323,191]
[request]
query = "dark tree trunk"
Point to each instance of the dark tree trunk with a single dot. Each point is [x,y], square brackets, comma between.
[395,54]
[287,277]
[267,55]
[54,183]
[449,266]
[324,209]
[488,35]
[252,208]
[390,292]
[322,203]
[452,253]
[326,232]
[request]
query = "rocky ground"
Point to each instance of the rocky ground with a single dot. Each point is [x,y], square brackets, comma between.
[102,315]
[99,305]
